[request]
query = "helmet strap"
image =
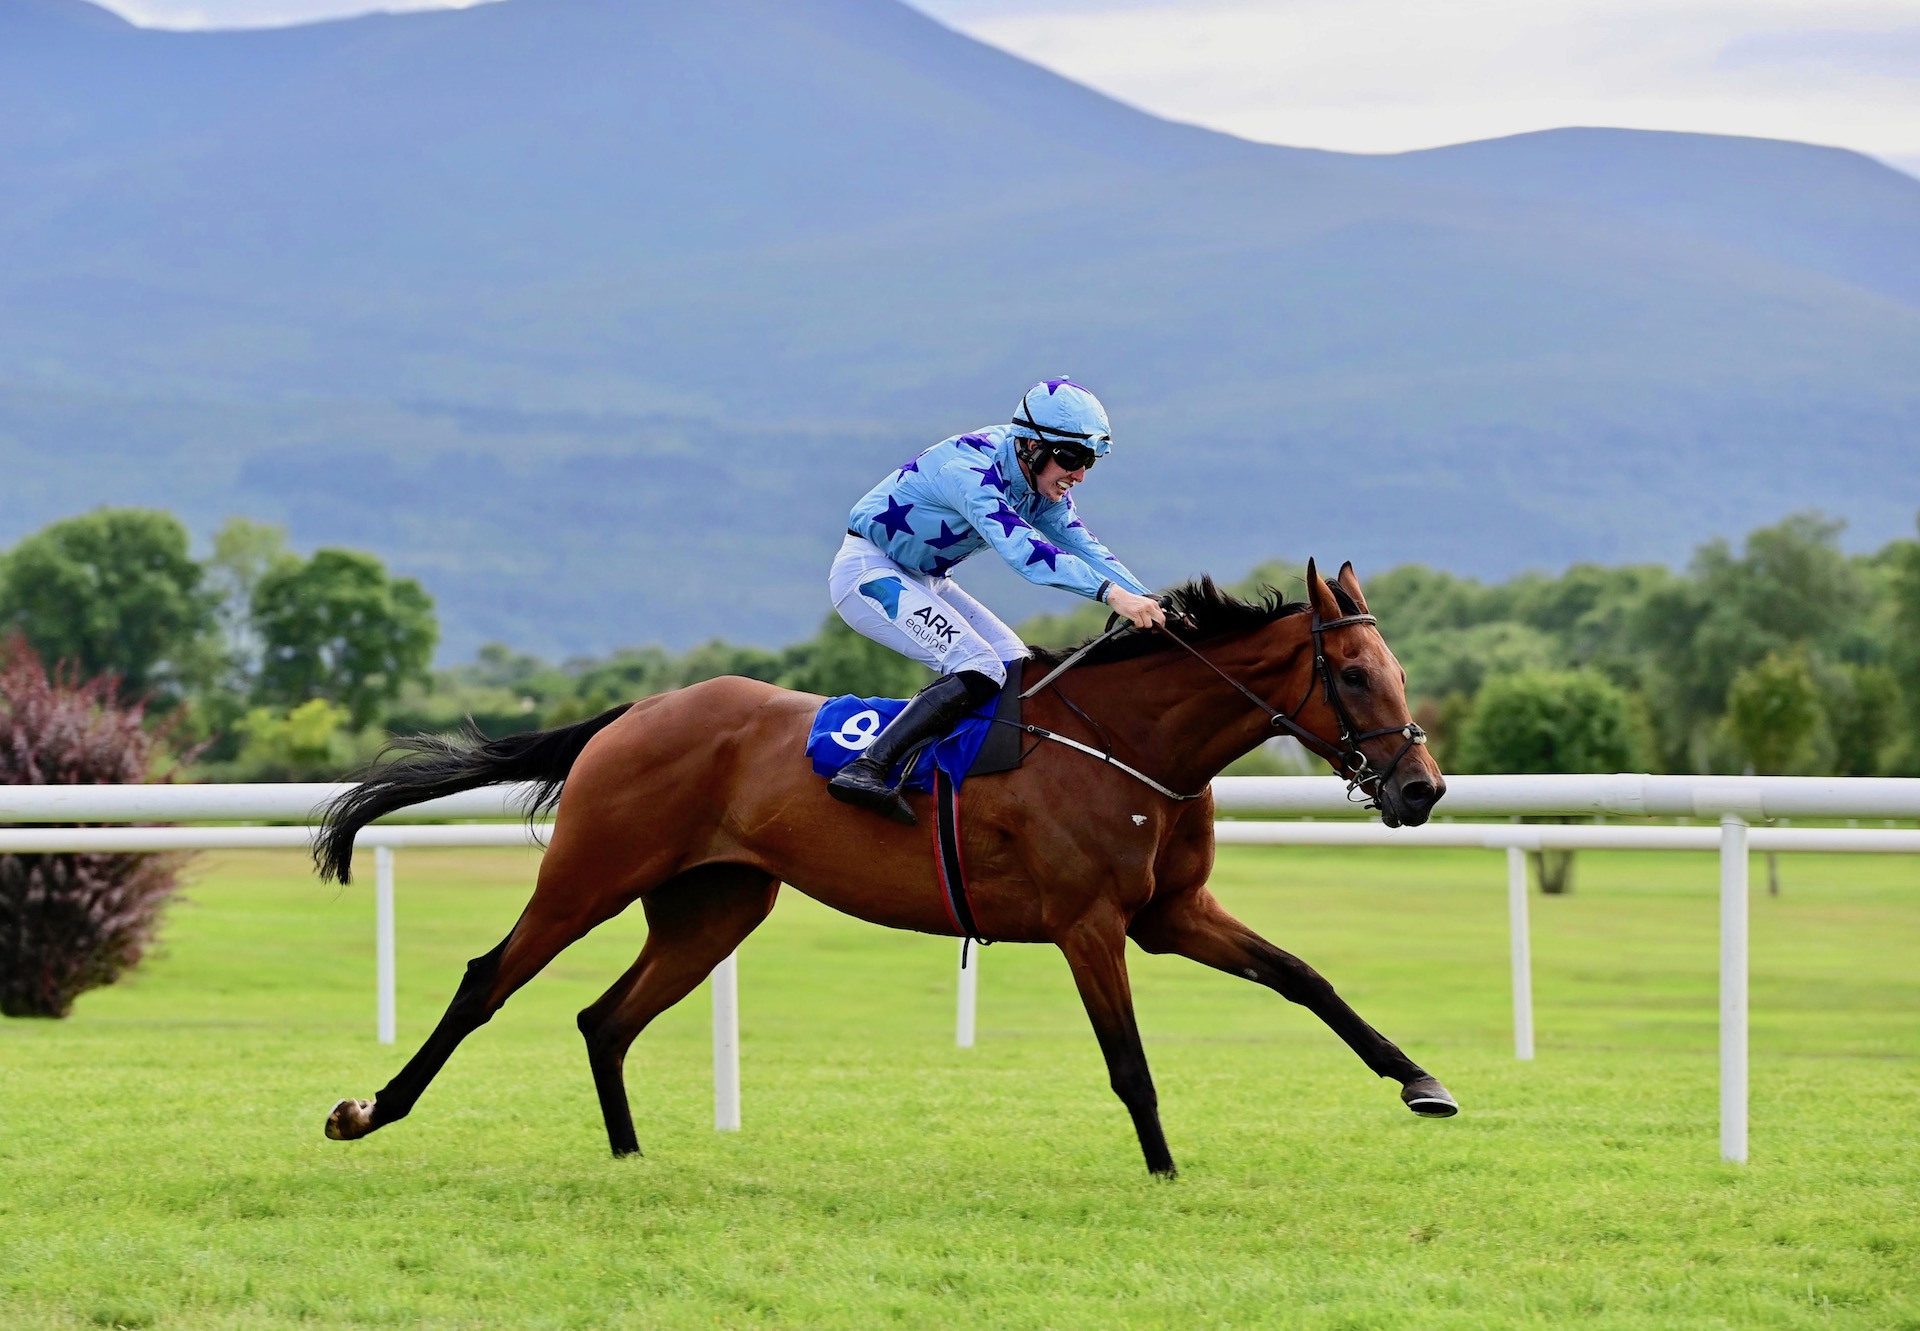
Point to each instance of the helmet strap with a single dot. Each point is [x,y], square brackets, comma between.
[1031,454]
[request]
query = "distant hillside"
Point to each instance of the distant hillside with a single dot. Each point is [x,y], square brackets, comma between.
[597,315]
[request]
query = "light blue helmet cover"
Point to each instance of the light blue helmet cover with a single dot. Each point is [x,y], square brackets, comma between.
[1059,411]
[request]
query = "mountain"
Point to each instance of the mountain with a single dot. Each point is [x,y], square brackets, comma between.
[597,315]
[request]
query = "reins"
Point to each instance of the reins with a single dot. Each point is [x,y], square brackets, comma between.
[1067,664]
[1347,758]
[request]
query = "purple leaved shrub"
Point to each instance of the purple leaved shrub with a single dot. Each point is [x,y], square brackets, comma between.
[70,923]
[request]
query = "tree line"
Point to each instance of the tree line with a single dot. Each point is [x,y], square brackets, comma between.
[1782,655]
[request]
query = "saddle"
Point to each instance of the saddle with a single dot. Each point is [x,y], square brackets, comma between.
[986,741]
[1004,748]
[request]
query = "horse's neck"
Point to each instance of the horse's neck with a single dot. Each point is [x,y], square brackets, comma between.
[1179,721]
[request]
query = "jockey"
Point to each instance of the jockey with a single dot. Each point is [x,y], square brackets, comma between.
[1006,486]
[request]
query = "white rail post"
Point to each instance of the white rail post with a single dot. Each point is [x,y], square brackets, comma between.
[1733,988]
[726,1045]
[968,1001]
[383,940]
[1522,947]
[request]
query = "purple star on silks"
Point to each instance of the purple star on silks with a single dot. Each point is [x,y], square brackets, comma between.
[1075,522]
[990,476]
[895,518]
[1044,550]
[979,441]
[1053,384]
[942,565]
[947,537]
[1009,520]
[913,464]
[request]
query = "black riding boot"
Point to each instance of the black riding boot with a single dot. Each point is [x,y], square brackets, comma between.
[929,715]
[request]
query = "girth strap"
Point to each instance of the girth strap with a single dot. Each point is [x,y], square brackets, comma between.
[948,868]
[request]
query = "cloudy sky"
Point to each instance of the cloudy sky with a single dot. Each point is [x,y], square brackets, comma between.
[1387,75]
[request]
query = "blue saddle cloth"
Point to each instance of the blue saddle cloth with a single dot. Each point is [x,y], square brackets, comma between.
[845,726]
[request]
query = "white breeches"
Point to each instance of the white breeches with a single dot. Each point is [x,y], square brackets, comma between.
[929,620]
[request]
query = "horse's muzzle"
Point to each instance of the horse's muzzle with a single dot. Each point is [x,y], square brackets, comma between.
[1409,803]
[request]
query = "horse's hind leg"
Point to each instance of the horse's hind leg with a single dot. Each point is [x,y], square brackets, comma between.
[693,923]
[1194,924]
[566,905]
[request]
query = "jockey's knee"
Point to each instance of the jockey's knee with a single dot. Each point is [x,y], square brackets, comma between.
[981,687]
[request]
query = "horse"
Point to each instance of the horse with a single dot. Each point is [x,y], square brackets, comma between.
[698,804]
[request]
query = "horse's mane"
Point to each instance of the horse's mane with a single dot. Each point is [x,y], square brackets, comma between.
[1211,612]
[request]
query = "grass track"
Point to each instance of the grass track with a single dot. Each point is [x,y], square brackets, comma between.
[161,1162]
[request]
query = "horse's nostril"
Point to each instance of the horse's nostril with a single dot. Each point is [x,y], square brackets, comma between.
[1418,794]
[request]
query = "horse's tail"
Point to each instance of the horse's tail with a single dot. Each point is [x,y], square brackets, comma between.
[431,766]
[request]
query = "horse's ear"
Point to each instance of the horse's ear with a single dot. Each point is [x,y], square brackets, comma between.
[1321,596]
[1350,583]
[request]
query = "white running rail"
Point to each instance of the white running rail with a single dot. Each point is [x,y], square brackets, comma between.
[1732,802]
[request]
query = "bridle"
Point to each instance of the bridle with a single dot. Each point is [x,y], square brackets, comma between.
[1347,758]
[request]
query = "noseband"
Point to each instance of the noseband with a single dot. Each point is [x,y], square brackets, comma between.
[1347,758]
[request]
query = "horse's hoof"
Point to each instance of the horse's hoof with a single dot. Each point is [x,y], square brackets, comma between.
[350,1119]
[1426,1097]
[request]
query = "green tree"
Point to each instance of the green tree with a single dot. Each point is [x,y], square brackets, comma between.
[244,552]
[1413,598]
[309,742]
[715,658]
[1442,663]
[338,627]
[1863,721]
[1593,614]
[114,592]
[1903,655]
[1553,721]
[632,672]
[1064,628]
[1774,714]
[838,660]
[1790,586]
[501,691]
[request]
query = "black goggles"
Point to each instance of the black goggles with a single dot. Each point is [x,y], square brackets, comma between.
[1073,457]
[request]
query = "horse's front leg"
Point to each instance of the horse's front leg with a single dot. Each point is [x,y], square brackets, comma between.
[1095,948]
[1194,924]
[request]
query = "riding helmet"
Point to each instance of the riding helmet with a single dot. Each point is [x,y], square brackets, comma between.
[1059,411]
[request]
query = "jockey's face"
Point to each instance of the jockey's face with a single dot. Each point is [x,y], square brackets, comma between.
[1054,480]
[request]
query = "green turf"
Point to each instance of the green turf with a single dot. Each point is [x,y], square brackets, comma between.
[161,1161]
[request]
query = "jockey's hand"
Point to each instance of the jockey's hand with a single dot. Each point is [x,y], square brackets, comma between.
[1140,611]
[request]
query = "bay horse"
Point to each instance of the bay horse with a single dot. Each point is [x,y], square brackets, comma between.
[699,803]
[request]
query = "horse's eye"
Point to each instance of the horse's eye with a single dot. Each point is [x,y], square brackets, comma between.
[1354,677]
